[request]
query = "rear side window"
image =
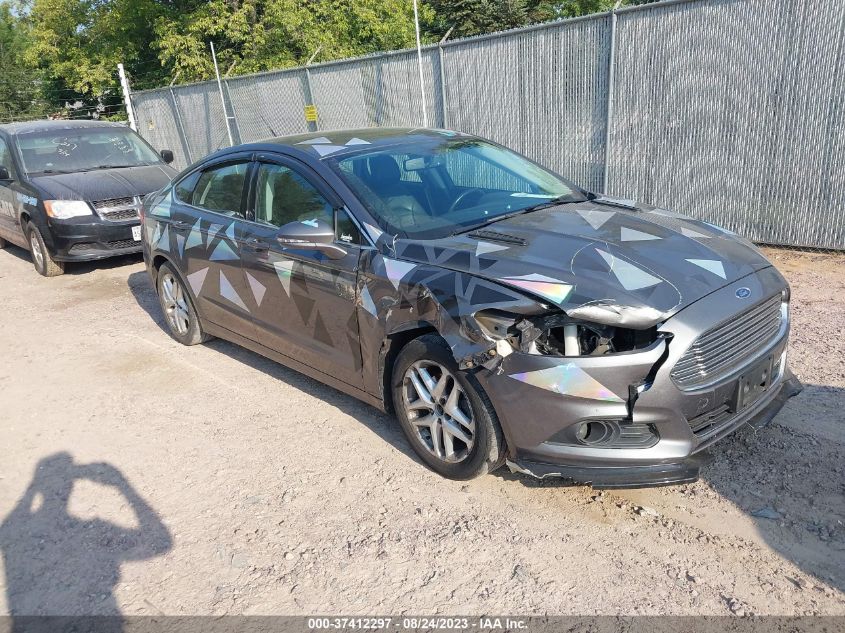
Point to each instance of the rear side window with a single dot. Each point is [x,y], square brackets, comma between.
[221,189]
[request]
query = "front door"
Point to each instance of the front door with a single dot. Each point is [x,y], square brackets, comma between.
[305,301]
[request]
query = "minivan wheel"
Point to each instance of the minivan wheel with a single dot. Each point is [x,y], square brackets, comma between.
[444,412]
[179,312]
[41,259]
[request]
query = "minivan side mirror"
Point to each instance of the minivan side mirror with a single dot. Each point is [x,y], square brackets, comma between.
[5,176]
[310,235]
[166,156]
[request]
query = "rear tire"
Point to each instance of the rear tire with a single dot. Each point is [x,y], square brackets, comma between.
[445,414]
[41,259]
[180,315]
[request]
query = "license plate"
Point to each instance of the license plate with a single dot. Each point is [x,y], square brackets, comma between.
[753,383]
[136,233]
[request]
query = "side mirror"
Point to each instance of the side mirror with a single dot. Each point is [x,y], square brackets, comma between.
[4,174]
[313,235]
[166,156]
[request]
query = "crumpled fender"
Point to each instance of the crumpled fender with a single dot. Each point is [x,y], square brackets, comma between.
[400,295]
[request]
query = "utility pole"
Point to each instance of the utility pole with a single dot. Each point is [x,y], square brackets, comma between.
[124,86]
[222,98]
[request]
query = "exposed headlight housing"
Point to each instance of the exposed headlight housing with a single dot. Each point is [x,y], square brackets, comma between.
[557,334]
[66,209]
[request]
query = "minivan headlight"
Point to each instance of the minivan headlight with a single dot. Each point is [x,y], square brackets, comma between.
[65,209]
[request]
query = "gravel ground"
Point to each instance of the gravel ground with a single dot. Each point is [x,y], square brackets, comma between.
[141,477]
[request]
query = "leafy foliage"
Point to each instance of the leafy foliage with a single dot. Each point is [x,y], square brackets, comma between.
[64,52]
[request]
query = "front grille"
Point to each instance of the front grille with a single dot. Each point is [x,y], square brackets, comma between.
[711,420]
[114,203]
[118,209]
[81,247]
[723,347]
[118,244]
[120,215]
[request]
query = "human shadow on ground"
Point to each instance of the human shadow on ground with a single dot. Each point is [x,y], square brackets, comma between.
[59,564]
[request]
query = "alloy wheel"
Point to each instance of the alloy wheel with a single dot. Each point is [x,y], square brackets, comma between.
[35,247]
[439,411]
[175,304]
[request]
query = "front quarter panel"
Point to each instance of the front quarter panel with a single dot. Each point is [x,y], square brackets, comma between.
[396,295]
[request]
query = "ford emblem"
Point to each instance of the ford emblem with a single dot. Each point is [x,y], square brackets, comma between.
[743,293]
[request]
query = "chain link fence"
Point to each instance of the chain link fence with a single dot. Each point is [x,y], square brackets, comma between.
[732,111]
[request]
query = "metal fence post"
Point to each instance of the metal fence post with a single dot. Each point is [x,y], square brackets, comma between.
[186,146]
[127,100]
[610,81]
[222,99]
[442,69]
[442,73]
[309,95]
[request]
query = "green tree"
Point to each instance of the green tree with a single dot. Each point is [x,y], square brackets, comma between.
[80,42]
[254,35]
[476,17]
[20,87]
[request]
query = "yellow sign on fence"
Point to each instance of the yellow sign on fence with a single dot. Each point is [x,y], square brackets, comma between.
[311,113]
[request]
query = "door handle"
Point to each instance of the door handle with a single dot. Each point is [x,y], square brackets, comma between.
[256,244]
[178,224]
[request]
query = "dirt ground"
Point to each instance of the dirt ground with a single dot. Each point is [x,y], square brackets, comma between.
[141,477]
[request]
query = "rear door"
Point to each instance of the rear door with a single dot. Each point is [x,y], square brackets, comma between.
[207,219]
[304,301]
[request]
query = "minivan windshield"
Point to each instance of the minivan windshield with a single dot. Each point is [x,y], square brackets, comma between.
[83,149]
[435,188]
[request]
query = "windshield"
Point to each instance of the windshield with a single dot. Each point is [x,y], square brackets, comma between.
[83,149]
[431,189]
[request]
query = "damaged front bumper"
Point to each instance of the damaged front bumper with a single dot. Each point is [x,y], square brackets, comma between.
[621,420]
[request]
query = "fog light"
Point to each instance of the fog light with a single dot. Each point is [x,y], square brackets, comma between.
[596,432]
[582,431]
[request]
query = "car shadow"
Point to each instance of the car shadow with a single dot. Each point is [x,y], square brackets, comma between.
[58,564]
[788,477]
[79,268]
[378,422]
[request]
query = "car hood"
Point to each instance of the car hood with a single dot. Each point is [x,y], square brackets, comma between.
[104,184]
[600,261]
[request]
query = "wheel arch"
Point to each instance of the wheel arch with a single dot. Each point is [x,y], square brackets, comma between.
[393,343]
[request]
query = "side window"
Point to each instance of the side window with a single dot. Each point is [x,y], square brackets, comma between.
[220,189]
[345,229]
[283,196]
[185,187]
[6,158]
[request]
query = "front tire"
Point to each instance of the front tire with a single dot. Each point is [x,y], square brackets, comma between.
[444,412]
[178,308]
[41,259]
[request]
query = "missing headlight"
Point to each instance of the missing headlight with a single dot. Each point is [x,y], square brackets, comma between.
[558,334]
[590,339]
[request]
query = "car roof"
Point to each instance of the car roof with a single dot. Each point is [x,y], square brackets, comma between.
[24,127]
[339,142]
